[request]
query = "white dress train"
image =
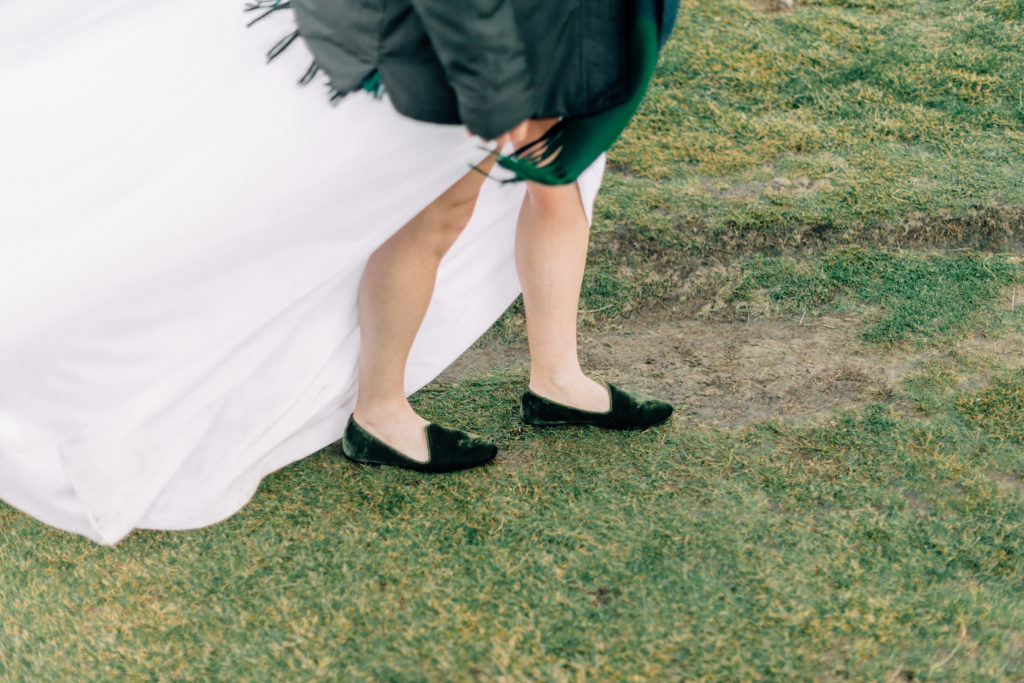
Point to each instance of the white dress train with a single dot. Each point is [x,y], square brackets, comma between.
[182,233]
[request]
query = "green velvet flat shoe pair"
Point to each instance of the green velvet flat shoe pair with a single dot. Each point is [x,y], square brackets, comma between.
[629,410]
[453,449]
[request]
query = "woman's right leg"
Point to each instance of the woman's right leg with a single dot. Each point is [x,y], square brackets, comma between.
[393,299]
[551,254]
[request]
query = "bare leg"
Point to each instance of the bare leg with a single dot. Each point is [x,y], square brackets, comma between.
[393,299]
[551,252]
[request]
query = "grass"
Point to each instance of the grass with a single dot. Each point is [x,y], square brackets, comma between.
[928,296]
[997,409]
[818,158]
[895,123]
[869,545]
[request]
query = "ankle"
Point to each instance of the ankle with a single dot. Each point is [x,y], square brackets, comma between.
[556,382]
[578,391]
[382,411]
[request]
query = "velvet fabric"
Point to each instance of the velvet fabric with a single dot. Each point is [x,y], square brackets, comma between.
[488,63]
[449,449]
[629,410]
[571,145]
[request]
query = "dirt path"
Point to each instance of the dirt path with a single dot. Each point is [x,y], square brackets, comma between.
[727,373]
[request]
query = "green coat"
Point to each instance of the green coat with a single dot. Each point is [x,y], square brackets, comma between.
[486,63]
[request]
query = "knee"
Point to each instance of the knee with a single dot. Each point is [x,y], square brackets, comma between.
[447,218]
[561,204]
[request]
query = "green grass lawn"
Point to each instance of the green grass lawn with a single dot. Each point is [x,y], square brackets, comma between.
[883,122]
[860,157]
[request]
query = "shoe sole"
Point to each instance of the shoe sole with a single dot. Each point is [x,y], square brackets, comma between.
[414,469]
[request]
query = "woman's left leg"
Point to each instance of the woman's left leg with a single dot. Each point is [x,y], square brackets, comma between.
[551,253]
[393,297]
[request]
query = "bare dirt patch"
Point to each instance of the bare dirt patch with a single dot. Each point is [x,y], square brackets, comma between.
[726,374]
[1005,481]
[1007,349]
[772,6]
[779,185]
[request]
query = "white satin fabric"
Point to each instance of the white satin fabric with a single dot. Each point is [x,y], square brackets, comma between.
[182,234]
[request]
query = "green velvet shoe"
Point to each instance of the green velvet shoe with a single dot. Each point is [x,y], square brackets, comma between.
[449,449]
[629,410]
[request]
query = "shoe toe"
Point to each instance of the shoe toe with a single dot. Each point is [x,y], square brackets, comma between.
[662,412]
[635,410]
[454,449]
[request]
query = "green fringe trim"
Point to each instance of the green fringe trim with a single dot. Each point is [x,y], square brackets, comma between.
[373,85]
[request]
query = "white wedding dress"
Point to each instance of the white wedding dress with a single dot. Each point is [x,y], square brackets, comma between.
[182,233]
